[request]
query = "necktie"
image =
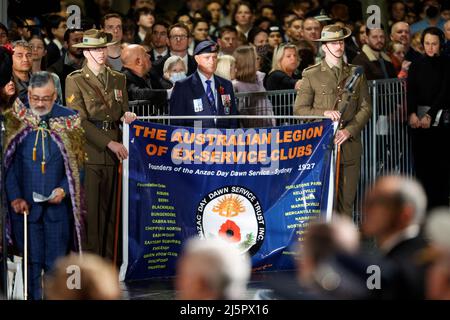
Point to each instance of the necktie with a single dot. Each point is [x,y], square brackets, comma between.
[336,72]
[101,78]
[210,94]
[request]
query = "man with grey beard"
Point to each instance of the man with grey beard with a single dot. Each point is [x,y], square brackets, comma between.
[43,157]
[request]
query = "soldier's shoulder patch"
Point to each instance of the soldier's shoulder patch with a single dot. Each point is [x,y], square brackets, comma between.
[116,73]
[312,67]
[73,73]
[352,66]
[70,99]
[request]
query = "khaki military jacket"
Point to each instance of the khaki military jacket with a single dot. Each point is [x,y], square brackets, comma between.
[319,92]
[97,102]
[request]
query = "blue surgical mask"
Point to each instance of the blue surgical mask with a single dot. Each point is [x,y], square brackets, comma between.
[177,76]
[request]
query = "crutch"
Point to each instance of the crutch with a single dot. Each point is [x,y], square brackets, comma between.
[25,254]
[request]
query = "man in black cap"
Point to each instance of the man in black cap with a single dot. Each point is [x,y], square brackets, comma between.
[204,93]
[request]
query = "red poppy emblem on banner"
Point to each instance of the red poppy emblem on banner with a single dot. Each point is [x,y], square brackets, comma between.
[230,231]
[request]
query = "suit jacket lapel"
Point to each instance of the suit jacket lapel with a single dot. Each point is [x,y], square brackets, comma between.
[219,97]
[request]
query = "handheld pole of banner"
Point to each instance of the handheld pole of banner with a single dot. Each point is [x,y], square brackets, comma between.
[349,88]
[116,227]
[124,175]
[25,255]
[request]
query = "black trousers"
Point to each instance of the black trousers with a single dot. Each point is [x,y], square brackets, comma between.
[430,148]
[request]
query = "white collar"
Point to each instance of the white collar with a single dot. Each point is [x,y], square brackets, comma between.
[203,77]
[58,44]
[408,233]
[164,53]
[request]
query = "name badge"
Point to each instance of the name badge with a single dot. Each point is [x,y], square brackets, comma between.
[118,95]
[198,105]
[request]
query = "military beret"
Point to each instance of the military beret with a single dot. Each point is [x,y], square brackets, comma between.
[206,46]
[5,66]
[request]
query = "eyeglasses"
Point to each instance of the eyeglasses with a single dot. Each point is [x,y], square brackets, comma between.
[179,38]
[45,99]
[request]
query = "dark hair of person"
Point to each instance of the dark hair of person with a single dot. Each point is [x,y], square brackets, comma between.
[69,32]
[179,25]
[240,4]
[109,16]
[142,11]
[197,21]
[225,29]
[254,32]
[436,32]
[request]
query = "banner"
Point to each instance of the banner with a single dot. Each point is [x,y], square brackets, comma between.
[257,189]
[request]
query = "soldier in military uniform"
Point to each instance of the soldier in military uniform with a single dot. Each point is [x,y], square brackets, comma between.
[321,93]
[100,96]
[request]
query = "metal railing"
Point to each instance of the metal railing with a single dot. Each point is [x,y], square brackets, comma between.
[385,140]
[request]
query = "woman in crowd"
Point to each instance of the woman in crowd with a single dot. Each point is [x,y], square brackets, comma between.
[39,53]
[173,71]
[428,110]
[248,79]
[7,96]
[285,62]
[258,37]
[282,77]
[226,67]
[243,17]
[360,36]
[200,31]
[397,52]
[39,56]
[275,37]
[3,34]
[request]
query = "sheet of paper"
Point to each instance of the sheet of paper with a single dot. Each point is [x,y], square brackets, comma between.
[37,197]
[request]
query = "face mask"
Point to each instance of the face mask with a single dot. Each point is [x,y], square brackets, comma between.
[177,76]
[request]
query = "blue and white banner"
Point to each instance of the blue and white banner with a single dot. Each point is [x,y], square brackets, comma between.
[257,189]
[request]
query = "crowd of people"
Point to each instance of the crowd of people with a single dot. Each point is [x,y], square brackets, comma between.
[192,62]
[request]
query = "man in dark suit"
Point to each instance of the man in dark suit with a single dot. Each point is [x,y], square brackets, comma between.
[72,60]
[376,63]
[395,209]
[178,45]
[204,93]
[55,49]
[42,177]
[159,39]
[137,64]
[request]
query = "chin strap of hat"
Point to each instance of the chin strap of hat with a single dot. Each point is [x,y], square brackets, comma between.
[326,45]
[93,57]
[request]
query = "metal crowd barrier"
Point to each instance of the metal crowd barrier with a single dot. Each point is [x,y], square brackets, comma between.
[385,139]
